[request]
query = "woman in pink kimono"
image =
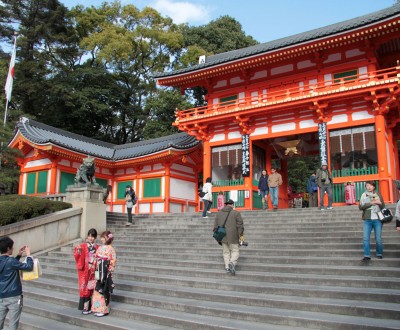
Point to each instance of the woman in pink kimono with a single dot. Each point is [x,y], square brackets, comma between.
[105,265]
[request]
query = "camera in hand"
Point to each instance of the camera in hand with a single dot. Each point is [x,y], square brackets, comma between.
[243,243]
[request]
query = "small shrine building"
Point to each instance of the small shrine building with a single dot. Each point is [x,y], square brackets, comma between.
[332,92]
[164,171]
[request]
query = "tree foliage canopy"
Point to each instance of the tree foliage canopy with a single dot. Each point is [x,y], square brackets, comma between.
[89,69]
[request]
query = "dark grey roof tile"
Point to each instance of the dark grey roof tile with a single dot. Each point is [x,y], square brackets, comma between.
[325,31]
[44,134]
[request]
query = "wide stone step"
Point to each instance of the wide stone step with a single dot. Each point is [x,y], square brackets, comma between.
[176,252]
[135,315]
[168,275]
[175,312]
[196,267]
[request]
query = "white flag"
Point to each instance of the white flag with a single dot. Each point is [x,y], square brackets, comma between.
[10,77]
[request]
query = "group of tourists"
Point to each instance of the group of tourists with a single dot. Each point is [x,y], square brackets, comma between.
[320,182]
[269,184]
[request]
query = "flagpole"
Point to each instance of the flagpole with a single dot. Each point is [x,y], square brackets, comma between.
[8,90]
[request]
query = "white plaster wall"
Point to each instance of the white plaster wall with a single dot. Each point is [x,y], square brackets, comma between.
[218,137]
[158,167]
[307,123]
[234,135]
[360,115]
[260,131]
[39,162]
[283,127]
[30,154]
[118,208]
[353,52]
[182,189]
[146,168]
[175,208]
[260,74]
[106,171]
[65,162]
[282,69]
[182,168]
[221,83]
[338,119]
[24,176]
[305,64]
[333,57]
[130,170]
[144,208]
[158,207]
[236,80]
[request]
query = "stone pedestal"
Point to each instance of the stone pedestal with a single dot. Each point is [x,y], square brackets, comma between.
[90,199]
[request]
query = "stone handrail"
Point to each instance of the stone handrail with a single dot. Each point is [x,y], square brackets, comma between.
[46,231]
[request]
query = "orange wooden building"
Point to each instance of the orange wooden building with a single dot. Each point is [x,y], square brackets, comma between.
[164,171]
[332,92]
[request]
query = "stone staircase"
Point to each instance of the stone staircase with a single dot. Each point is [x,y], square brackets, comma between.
[301,270]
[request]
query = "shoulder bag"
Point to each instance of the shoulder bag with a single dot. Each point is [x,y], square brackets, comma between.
[385,215]
[220,232]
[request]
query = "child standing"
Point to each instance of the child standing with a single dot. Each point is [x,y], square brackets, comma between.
[105,265]
[84,255]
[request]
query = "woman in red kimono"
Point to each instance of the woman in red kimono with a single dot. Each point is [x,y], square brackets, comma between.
[84,255]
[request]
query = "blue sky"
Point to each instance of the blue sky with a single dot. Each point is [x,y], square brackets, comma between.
[264,20]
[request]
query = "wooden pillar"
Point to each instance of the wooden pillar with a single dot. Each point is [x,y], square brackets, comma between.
[380,132]
[137,186]
[283,189]
[167,189]
[21,182]
[248,181]
[268,164]
[206,161]
[53,177]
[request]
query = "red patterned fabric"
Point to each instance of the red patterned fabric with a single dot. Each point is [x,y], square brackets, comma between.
[85,269]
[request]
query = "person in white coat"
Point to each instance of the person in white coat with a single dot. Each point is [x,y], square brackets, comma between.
[207,198]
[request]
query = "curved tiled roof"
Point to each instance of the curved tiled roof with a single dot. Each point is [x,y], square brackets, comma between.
[42,134]
[325,31]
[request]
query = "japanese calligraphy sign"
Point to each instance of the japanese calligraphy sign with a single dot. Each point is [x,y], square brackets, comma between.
[245,155]
[322,137]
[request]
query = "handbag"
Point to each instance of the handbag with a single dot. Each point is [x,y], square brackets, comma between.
[34,273]
[220,232]
[202,193]
[385,215]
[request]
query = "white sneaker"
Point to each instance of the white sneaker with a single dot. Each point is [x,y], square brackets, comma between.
[206,217]
[209,212]
[329,208]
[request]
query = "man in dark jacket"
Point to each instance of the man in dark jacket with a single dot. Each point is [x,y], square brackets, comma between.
[10,281]
[263,189]
[234,229]
[324,182]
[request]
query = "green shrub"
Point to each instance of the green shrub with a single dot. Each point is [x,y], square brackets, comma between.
[14,208]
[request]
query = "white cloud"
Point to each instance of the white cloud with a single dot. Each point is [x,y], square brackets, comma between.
[183,12]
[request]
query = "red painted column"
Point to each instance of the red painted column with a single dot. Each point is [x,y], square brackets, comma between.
[380,133]
[167,192]
[53,177]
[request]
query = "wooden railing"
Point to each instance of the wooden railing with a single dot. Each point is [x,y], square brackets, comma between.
[355,172]
[337,85]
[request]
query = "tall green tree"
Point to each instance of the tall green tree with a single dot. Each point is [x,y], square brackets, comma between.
[131,45]
[220,35]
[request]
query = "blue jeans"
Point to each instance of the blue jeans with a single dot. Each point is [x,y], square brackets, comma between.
[274,195]
[12,306]
[207,206]
[368,225]
[328,190]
